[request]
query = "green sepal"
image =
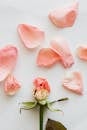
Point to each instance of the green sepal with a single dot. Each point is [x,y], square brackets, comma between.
[42,102]
[60,100]
[54,125]
[49,106]
[28,105]
[63,99]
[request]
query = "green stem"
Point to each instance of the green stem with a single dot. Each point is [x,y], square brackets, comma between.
[41,116]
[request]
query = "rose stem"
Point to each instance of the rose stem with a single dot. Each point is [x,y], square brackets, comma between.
[41,116]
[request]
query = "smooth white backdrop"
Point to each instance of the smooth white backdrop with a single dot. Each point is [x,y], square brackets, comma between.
[35,12]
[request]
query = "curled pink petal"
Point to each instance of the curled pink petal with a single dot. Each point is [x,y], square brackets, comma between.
[8,58]
[60,46]
[11,85]
[47,57]
[64,17]
[74,83]
[41,83]
[31,36]
[82,52]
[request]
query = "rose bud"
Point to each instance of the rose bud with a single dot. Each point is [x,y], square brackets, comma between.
[11,85]
[41,89]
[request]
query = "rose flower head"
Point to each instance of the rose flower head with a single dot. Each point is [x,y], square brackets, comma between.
[41,89]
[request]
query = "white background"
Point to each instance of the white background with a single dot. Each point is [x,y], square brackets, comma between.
[35,12]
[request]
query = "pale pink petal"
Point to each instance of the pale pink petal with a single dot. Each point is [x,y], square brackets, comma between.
[74,83]
[47,57]
[64,17]
[8,58]
[61,47]
[11,85]
[82,52]
[31,36]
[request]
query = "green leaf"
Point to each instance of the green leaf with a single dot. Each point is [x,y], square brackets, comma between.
[49,106]
[54,125]
[27,105]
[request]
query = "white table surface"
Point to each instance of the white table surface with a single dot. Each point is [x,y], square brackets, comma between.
[34,12]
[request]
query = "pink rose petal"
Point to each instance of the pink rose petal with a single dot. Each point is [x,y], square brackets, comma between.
[11,85]
[64,17]
[41,83]
[47,57]
[74,83]
[60,46]
[31,36]
[8,58]
[82,52]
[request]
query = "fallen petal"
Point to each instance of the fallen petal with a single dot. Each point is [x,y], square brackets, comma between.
[11,85]
[64,17]
[8,58]
[74,83]
[82,52]
[47,57]
[31,36]
[60,46]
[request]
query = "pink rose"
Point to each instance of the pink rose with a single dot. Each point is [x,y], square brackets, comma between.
[41,88]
